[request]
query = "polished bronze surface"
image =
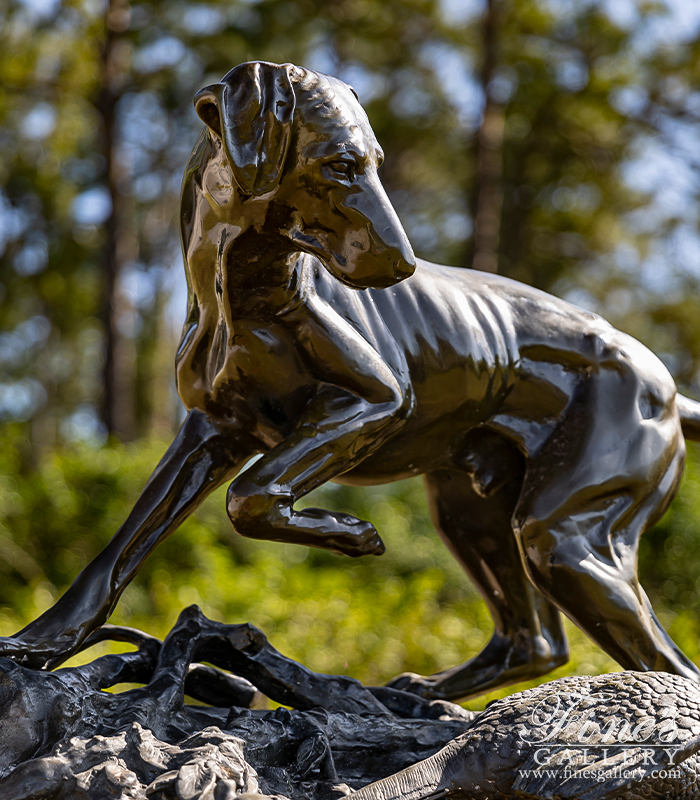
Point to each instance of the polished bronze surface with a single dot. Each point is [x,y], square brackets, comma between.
[549,441]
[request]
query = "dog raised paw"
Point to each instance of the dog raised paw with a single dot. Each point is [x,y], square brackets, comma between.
[413,683]
[362,540]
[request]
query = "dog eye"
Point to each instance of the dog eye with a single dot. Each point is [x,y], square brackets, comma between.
[344,168]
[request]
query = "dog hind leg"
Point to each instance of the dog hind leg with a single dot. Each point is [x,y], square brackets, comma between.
[589,495]
[528,640]
[594,581]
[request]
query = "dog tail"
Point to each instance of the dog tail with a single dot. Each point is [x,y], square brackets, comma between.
[689,411]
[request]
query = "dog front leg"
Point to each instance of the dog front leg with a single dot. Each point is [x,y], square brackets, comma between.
[204,455]
[338,430]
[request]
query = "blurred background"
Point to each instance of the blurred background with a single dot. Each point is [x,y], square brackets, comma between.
[553,141]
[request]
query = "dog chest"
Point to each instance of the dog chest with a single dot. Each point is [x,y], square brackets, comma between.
[261,367]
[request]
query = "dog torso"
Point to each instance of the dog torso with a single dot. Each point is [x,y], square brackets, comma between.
[485,351]
[468,349]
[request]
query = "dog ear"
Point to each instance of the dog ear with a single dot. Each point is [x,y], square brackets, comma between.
[251,111]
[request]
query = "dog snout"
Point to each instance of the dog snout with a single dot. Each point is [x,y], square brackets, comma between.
[389,257]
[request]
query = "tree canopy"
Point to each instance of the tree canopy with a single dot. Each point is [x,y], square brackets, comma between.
[552,141]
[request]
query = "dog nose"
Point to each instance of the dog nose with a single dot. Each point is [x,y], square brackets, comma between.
[400,262]
[405,263]
[380,266]
[390,241]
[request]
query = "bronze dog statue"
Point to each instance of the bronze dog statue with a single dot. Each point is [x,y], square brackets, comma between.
[548,441]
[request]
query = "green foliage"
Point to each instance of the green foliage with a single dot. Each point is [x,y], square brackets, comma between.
[411,609]
[668,562]
[591,103]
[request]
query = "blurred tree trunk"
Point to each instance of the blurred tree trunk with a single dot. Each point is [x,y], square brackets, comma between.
[154,411]
[487,198]
[165,407]
[117,412]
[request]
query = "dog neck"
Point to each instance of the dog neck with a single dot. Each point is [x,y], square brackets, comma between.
[259,272]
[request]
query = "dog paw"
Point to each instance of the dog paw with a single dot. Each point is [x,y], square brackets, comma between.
[362,540]
[415,684]
[373,546]
[34,655]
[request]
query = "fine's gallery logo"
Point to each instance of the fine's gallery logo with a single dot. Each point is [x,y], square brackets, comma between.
[567,735]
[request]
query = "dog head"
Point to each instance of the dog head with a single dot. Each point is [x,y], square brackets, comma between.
[301,153]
